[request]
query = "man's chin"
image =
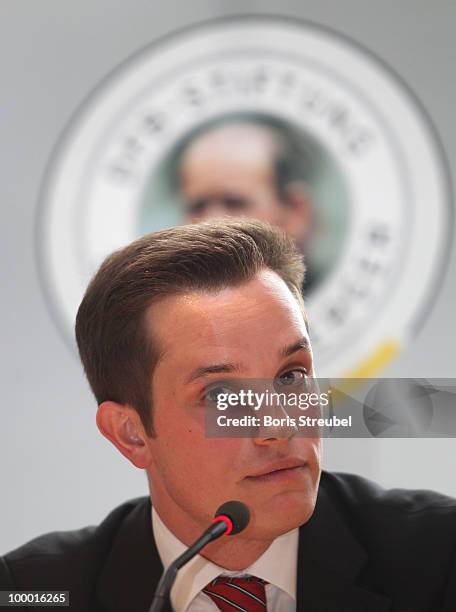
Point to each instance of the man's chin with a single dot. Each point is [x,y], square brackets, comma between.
[281,514]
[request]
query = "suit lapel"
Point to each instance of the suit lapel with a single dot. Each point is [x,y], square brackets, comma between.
[330,560]
[133,569]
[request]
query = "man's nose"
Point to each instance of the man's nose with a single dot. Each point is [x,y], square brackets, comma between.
[276,427]
[212,208]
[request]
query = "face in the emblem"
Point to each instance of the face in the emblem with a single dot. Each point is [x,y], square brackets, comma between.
[255,330]
[229,172]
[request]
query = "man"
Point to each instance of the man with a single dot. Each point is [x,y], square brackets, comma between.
[165,322]
[245,165]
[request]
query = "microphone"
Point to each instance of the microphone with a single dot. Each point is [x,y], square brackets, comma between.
[231,518]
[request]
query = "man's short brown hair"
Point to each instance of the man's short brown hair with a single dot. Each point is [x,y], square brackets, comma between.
[118,354]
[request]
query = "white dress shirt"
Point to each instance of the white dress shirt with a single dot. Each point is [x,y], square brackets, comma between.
[277,565]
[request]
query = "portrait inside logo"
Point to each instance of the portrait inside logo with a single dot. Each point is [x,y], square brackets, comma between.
[256,165]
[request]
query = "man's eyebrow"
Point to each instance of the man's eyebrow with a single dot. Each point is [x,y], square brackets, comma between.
[223,368]
[302,344]
[217,368]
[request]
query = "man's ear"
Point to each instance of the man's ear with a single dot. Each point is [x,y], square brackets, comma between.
[122,426]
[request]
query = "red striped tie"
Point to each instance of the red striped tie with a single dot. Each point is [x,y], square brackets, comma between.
[245,594]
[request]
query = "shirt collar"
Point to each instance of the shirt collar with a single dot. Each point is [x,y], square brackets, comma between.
[277,565]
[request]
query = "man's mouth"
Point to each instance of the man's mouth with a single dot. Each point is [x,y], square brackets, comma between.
[287,468]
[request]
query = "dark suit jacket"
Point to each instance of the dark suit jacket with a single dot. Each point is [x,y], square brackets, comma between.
[364,550]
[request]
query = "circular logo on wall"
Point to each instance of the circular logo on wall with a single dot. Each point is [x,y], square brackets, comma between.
[274,119]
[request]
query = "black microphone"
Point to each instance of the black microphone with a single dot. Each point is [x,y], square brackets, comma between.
[231,518]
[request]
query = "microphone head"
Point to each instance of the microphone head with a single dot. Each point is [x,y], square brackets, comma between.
[237,512]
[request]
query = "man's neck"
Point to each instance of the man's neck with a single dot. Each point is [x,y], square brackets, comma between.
[233,554]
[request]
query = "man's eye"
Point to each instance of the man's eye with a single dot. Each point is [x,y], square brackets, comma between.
[292,378]
[212,394]
[234,203]
[197,207]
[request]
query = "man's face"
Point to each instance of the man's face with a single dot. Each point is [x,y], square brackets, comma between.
[229,172]
[256,330]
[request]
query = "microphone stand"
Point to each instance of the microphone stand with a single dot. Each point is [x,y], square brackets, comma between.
[161,596]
